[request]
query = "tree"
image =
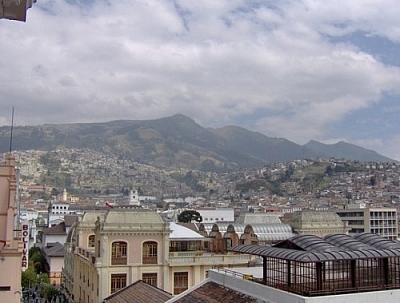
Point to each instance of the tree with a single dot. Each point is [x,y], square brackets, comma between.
[188,216]
[43,278]
[48,292]
[28,277]
[38,260]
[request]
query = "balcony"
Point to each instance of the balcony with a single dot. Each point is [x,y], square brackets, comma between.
[86,254]
[119,261]
[150,260]
[205,258]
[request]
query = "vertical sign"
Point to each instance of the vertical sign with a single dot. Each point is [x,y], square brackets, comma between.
[25,242]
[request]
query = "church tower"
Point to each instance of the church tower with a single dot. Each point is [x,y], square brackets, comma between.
[134,197]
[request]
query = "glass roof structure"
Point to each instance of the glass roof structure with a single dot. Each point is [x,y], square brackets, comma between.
[264,232]
[336,264]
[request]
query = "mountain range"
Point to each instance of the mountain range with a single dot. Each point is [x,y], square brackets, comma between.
[178,141]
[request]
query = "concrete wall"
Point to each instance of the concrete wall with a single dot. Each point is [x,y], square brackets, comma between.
[272,295]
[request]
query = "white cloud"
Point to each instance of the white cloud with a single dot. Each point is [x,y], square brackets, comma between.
[215,61]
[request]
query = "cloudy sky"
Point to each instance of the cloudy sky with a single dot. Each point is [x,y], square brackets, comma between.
[300,70]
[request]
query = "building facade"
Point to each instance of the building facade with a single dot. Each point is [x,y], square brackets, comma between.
[13,253]
[381,221]
[109,250]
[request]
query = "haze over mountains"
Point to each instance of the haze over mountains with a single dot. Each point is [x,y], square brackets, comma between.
[177,141]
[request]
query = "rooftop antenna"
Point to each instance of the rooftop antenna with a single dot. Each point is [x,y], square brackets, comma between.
[12,126]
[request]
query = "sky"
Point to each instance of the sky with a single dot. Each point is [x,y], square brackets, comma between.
[300,70]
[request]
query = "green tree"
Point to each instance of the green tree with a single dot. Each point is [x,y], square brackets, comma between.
[188,216]
[37,260]
[28,277]
[54,191]
[43,278]
[48,292]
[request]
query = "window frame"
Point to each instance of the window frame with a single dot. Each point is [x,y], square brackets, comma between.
[181,281]
[119,253]
[150,252]
[117,282]
[150,278]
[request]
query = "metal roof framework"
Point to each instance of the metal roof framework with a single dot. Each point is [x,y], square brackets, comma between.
[271,232]
[312,266]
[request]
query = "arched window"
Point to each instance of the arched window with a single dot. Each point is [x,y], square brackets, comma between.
[91,241]
[149,252]
[119,253]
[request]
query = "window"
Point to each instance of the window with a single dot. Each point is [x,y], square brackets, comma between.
[150,252]
[118,281]
[91,241]
[150,278]
[180,282]
[118,253]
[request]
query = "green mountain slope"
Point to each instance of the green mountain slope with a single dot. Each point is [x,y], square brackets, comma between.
[175,141]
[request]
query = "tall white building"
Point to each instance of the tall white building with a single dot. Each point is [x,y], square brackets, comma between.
[381,221]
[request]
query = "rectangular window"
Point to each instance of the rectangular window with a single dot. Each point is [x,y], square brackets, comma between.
[119,253]
[180,282]
[150,278]
[118,281]
[150,252]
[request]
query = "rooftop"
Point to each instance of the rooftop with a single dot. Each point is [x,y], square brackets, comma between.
[179,232]
[337,263]
[138,292]
[212,292]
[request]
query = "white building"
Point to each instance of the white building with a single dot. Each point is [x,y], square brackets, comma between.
[360,218]
[217,215]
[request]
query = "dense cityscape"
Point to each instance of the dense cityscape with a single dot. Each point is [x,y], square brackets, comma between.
[64,195]
[199,151]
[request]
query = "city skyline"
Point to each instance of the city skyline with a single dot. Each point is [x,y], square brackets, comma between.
[299,70]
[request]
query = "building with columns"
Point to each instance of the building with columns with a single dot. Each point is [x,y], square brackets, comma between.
[109,250]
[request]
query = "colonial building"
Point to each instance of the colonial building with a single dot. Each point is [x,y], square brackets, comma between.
[11,246]
[109,250]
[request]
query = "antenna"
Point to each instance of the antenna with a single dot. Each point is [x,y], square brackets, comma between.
[12,126]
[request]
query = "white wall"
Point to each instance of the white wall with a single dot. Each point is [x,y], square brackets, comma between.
[273,295]
[217,215]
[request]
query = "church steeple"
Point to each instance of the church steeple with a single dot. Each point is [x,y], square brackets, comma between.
[134,197]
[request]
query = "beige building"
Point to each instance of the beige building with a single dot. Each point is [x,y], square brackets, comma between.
[360,218]
[11,245]
[109,250]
